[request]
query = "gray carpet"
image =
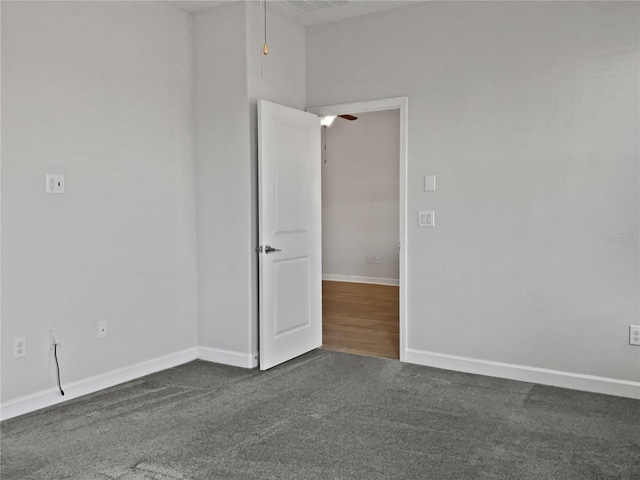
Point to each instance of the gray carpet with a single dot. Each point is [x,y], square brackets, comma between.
[326,415]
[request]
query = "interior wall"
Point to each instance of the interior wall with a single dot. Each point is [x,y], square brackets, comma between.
[231,74]
[360,197]
[102,93]
[528,114]
[279,76]
[224,178]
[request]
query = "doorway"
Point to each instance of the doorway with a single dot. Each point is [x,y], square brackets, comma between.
[364,269]
[360,219]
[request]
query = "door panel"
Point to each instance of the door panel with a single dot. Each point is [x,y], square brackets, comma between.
[290,217]
[291,279]
[292,179]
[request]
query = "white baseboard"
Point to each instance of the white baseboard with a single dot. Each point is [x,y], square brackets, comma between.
[51,396]
[543,376]
[228,357]
[356,279]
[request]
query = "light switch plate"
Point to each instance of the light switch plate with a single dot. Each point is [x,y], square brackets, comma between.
[54,183]
[429,183]
[426,218]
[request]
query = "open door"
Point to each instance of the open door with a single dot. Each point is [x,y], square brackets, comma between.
[290,242]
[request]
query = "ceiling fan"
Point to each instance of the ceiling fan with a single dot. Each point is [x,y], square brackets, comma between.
[327,120]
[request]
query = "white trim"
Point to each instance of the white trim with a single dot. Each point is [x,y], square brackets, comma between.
[401,103]
[51,396]
[394,282]
[544,376]
[228,357]
[359,107]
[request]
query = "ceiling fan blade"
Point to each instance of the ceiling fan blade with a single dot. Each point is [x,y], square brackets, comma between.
[348,117]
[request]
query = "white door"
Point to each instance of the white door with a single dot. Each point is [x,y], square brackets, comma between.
[289,233]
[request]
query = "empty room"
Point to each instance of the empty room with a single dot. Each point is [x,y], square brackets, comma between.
[320,239]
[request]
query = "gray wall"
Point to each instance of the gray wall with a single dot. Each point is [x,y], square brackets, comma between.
[230,75]
[528,114]
[101,92]
[360,196]
[224,179]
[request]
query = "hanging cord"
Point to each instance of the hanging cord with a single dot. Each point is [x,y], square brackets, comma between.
[55,354]
[265,48]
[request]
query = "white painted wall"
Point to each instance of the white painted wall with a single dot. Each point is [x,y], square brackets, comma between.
[224,179]
[101,92]
[360,196]
[528,114]
[231,74]
[280,76]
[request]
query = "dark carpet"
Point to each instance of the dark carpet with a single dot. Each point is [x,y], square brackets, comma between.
[326,415]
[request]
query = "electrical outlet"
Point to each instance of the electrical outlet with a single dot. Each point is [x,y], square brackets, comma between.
[19,347]
[376,259]
[426,218]
[54,183]
[634,334]
[55,338]
[102,329]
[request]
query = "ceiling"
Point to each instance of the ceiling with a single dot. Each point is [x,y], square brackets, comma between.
[307,12]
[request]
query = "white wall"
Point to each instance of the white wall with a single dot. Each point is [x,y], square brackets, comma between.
[280,76]
[101,92]
[231,74]
[224,179]
[360,196]
[528,114]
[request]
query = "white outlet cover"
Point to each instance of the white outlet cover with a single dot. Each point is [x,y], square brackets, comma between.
[634,334]
[19,347]
[54,183]
[426,218]
[102,329]
[55,337]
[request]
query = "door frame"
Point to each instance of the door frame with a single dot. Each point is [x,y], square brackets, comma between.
[402,104]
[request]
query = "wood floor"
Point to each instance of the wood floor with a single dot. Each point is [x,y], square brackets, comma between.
[361,318]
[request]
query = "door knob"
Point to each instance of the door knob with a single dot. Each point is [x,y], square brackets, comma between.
[269,249]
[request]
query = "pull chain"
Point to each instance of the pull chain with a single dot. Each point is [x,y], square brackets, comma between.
[265,48]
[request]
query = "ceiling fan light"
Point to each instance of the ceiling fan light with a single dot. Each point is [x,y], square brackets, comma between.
[327,120]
